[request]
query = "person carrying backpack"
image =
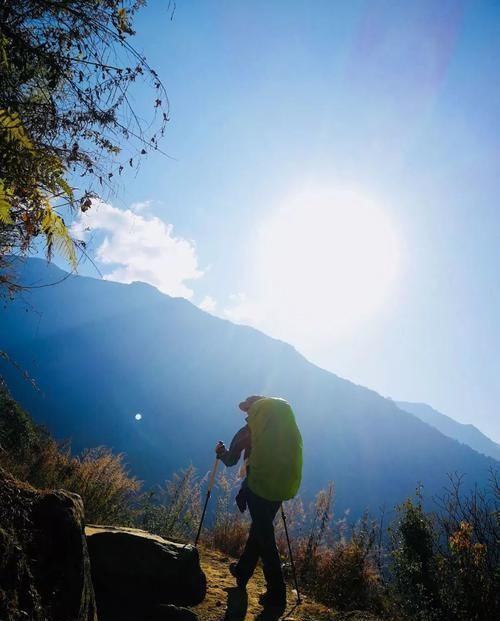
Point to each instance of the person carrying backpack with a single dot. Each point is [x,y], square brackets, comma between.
[272,446]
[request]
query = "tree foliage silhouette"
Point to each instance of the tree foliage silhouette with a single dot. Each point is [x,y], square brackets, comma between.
[68,126]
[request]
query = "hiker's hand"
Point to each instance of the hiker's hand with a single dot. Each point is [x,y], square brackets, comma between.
[220,447]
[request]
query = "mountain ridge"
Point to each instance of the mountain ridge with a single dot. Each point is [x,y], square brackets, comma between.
[465,433]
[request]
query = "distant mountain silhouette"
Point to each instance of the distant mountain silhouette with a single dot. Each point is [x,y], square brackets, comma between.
[466,434]
[102,352]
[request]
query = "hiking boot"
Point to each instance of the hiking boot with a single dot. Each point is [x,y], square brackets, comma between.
[233,570]
[273,600]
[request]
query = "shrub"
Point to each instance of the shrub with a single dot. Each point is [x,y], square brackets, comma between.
[346,578]
[337,571]
[447,566]
[20,437]
[229,529]
[98,475]
[415,565]
[470,551]
[100,478]
[319,526]
[173,510]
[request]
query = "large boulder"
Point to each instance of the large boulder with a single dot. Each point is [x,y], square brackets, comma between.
[135,573]
[44,563]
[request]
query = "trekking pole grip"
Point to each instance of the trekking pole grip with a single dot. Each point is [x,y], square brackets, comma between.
[212,475]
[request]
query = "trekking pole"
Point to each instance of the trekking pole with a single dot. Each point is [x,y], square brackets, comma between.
[283,517]
[209,491]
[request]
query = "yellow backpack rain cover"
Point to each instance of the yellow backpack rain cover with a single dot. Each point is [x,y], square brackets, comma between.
[275,462]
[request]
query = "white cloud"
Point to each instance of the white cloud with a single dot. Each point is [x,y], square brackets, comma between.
[140,206]
[208,304]
[140,248]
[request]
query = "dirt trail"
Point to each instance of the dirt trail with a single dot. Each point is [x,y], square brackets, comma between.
[225,602]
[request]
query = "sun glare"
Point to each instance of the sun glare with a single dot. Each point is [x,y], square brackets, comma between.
[325,261]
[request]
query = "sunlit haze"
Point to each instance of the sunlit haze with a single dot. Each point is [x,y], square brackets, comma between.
[323,261]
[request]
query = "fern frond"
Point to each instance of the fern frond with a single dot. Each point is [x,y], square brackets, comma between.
[5,205]
[66,188]
[13,128]
[57,235]
[54,181]
[4,60]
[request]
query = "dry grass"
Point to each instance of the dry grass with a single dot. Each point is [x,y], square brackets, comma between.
[98,475]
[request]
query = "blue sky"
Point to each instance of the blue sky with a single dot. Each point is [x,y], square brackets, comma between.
[318,113]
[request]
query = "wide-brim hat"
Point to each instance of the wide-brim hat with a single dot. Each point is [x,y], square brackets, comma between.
[249,401]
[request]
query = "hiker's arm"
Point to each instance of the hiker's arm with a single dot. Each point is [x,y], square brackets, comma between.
[239,443]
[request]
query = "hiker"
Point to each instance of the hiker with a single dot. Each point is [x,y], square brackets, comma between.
[272,446]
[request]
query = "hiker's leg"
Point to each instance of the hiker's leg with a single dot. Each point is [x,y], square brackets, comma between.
[250,557]
[263,513]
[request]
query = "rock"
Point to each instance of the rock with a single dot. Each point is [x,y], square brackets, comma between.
[138,572]
[44,563]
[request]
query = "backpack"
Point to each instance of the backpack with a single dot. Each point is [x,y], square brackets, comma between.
[275,462]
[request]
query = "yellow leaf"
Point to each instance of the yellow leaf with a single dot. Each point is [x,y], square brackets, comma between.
[12,125]
[57,234]
[122,20]
[5,205]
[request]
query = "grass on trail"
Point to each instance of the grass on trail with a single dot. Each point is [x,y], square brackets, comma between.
[225,602]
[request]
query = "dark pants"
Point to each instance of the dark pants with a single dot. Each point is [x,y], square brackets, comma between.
[262,544]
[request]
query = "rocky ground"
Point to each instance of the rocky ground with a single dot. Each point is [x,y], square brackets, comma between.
[225,602]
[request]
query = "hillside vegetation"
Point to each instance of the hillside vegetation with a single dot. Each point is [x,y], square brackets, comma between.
[443,565]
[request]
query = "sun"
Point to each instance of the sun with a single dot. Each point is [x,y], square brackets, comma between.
[324,261]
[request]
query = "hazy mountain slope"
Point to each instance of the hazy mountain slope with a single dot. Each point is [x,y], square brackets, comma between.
[102,351]
[466,434]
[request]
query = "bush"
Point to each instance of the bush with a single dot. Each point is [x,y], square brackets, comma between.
[447,566]
[470,531]
[20,438]
[100,478]
[98,475]
[229,528]
[415,565]
[337,570]
[346,579]
[173,510]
